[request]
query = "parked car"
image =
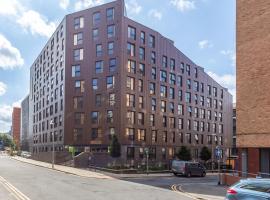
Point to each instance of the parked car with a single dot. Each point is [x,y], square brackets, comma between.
[187,168]
[250,189]
[25,154]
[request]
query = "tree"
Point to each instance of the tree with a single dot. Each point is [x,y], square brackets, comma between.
[205,154]
[184,154]
[115,147]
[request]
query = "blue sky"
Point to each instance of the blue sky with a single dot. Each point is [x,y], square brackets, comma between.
[204,30]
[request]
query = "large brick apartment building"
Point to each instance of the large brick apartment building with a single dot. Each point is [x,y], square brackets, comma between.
[102,73]
[253,75]
[16,125]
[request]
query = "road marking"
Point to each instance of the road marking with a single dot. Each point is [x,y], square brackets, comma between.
[13,190]
[177,188]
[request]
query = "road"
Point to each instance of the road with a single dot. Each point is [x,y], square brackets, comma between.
[29,182]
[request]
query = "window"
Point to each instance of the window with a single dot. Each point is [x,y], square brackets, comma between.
[209,89]
[163,76]
[110,48]
[130,133]
[77,134]
[164,136]
[76,70]
[142,37]
[202,113]
[112,99]
[188,138]
[179,81]
[196,72]
[141,104]
[98,100]
[182,68]
[141,135]
[163,106]
[77,102]
[180,109]
[180,95]
[153,57]
[196,112]
[172,64]
[215,105]
[220,128]
[95,133]
[180,123]
[188,69]
[140,119]
[196,99]
[110,14]
[142,53]
[98,50]
[78,54]
[171,93]
[202,100]
[95,83]
[171,107]
[130,83]
[209,116]
[172,122]
[163,91]
[99,67]
[172,80]
[109,116]
[131,66]
[188,124]
[95,117]
[152,120]
[209,102]
[77,38]
[209,139]
[78,22]
[131,151]
[153,104]
[95,34]
[112,65]
[196,86]
[220,117]
[140,85]
[152,41]
[154,73]
[130,98]
[188,97]
[131,33]
[96,18]
[111,31]
[142,69]
[196,126]
[152,88]
[79,118]
[188,84]
[220,105]
[110,82]
[202,87]
[130,117]
[79,85]
[215,91]
[131,49]
[164,61]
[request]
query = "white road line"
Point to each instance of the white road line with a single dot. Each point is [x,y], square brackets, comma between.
[13,190]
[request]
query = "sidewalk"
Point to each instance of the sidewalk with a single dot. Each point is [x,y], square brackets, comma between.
[65,169]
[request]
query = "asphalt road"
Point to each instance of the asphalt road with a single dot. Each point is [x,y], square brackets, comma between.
[28,182]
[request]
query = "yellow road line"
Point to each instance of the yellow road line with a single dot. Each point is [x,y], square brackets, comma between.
[180,191]
[13,190]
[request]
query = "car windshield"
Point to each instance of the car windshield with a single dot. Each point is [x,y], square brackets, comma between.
[259,187]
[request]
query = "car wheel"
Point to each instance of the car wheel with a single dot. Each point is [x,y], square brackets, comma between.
[188,174]
[203,174]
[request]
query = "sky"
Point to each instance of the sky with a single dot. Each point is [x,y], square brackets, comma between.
[204,30]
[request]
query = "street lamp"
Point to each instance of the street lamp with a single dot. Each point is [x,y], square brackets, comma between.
[52,124]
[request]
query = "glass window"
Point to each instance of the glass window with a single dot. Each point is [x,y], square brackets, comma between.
[111,31]
[131,49]
[78,54]
[142,53]
[163,106]
[163,91]
[95,34]
[76,70]
[153,57]
[164,61]
[99,67]
[112,99]
[131,66]
[130,83]
[112,65]
[130,100]
[140,85]
[142,69]
[110,82]
[96,18]
[98,50]
[172,64]
[142,37]
[78,22]
[153,104]
[110,48]
[152,41]
[154,73]
[141,135]
[110,14]
[95,83]
[109,116]
[163,76]
[130,117]
[131,33]
[95,117]
[140,119]
[152,88]
[77,38]
[188,97]
[141,104]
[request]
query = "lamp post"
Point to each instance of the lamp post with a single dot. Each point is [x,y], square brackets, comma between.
[147,159]
[52,124]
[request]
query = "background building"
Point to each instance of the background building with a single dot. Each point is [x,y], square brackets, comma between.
[16,125]
[102,73]
[253,75]
[25,124]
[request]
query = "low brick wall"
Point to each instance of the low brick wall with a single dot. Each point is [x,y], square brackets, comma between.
[229,179]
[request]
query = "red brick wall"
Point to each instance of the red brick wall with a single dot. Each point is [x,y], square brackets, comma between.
[16,125]
[253,160]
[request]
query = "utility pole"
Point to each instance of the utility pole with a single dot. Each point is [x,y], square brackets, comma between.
[52,124]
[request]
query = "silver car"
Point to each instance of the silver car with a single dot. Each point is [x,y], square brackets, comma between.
[250,189]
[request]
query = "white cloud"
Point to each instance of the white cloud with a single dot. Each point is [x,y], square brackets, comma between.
[227,81]
[29,20]
[183,5]
[155,14]
[36,24]
[205,44]
[82,4]
[133,8]
[3,88]
[64,4]
[231,55]
[6,115]
[10,7]
[10,57]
